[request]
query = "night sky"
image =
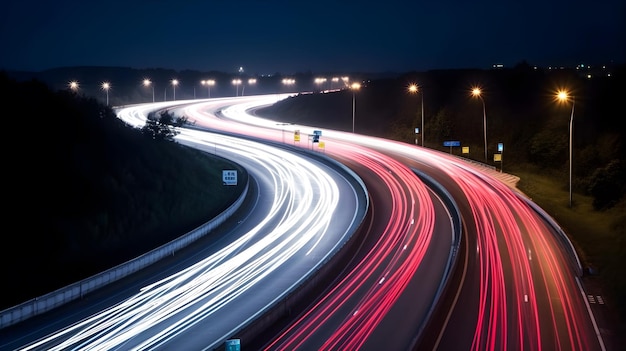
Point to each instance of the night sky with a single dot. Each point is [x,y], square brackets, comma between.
[269,36]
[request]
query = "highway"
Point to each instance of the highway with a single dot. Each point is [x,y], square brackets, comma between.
[401,241]
[303,210]
[514,283]
[517,287]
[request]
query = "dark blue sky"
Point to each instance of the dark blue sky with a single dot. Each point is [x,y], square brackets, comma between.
[268,36]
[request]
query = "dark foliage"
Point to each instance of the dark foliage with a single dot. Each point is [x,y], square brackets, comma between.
[161,127]
[521,113]
[84,191]
[607,184]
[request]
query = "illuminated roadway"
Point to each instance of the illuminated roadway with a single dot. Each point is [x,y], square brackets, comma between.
[292,227]
[517,286]
[403,256]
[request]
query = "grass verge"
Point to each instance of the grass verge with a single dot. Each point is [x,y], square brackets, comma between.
[598,236]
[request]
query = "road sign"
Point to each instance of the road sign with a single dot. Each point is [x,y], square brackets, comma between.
[417,130]
[465,149]
[229,177]
[500,147]
[452,143]
[233,345]
[296,135]
[317,132]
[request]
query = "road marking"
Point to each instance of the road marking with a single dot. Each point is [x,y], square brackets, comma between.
[600,300]
[591,299]
[593,318]
[530,255]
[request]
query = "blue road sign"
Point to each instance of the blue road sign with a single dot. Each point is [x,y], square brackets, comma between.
[452,143]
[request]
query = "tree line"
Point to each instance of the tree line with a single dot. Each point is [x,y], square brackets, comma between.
[521,111]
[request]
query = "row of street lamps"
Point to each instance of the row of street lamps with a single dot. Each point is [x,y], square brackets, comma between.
[562,96]
[106,86]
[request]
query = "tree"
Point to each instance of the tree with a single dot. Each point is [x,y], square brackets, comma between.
[440,126]
[606,185]
[162,127]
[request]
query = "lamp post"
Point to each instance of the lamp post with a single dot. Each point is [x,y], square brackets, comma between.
[147,83]
[345,80]
[413,89]
[564,96]
[251,81]
[236,82]
[106,86]
[354,87]
[174,84]
[319,82]
[288,81]
[208,83]
[476,92]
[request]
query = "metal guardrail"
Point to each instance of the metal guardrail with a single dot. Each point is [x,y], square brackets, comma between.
[563,236]
[457,233]
[76,290]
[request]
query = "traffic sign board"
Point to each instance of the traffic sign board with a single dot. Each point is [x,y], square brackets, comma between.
[452,143]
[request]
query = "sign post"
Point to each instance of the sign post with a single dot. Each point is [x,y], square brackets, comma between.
[501,151]
[316,137]
[451,143]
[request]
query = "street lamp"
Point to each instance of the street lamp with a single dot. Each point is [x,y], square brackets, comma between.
[354,87]
[320,81]
[251,81]
[146,83]
[174,84]
[413,89]
[73,85]
[564,96]
[476,92]
[106,86]
[288,81]
[208,83]
[236,82]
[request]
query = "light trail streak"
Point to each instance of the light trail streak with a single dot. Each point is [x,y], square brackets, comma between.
[381,276]
[303,204]
[512,315]
[523,303]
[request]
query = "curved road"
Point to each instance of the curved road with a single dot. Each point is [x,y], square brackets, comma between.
[517,286]
[382,280]
[291,229]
